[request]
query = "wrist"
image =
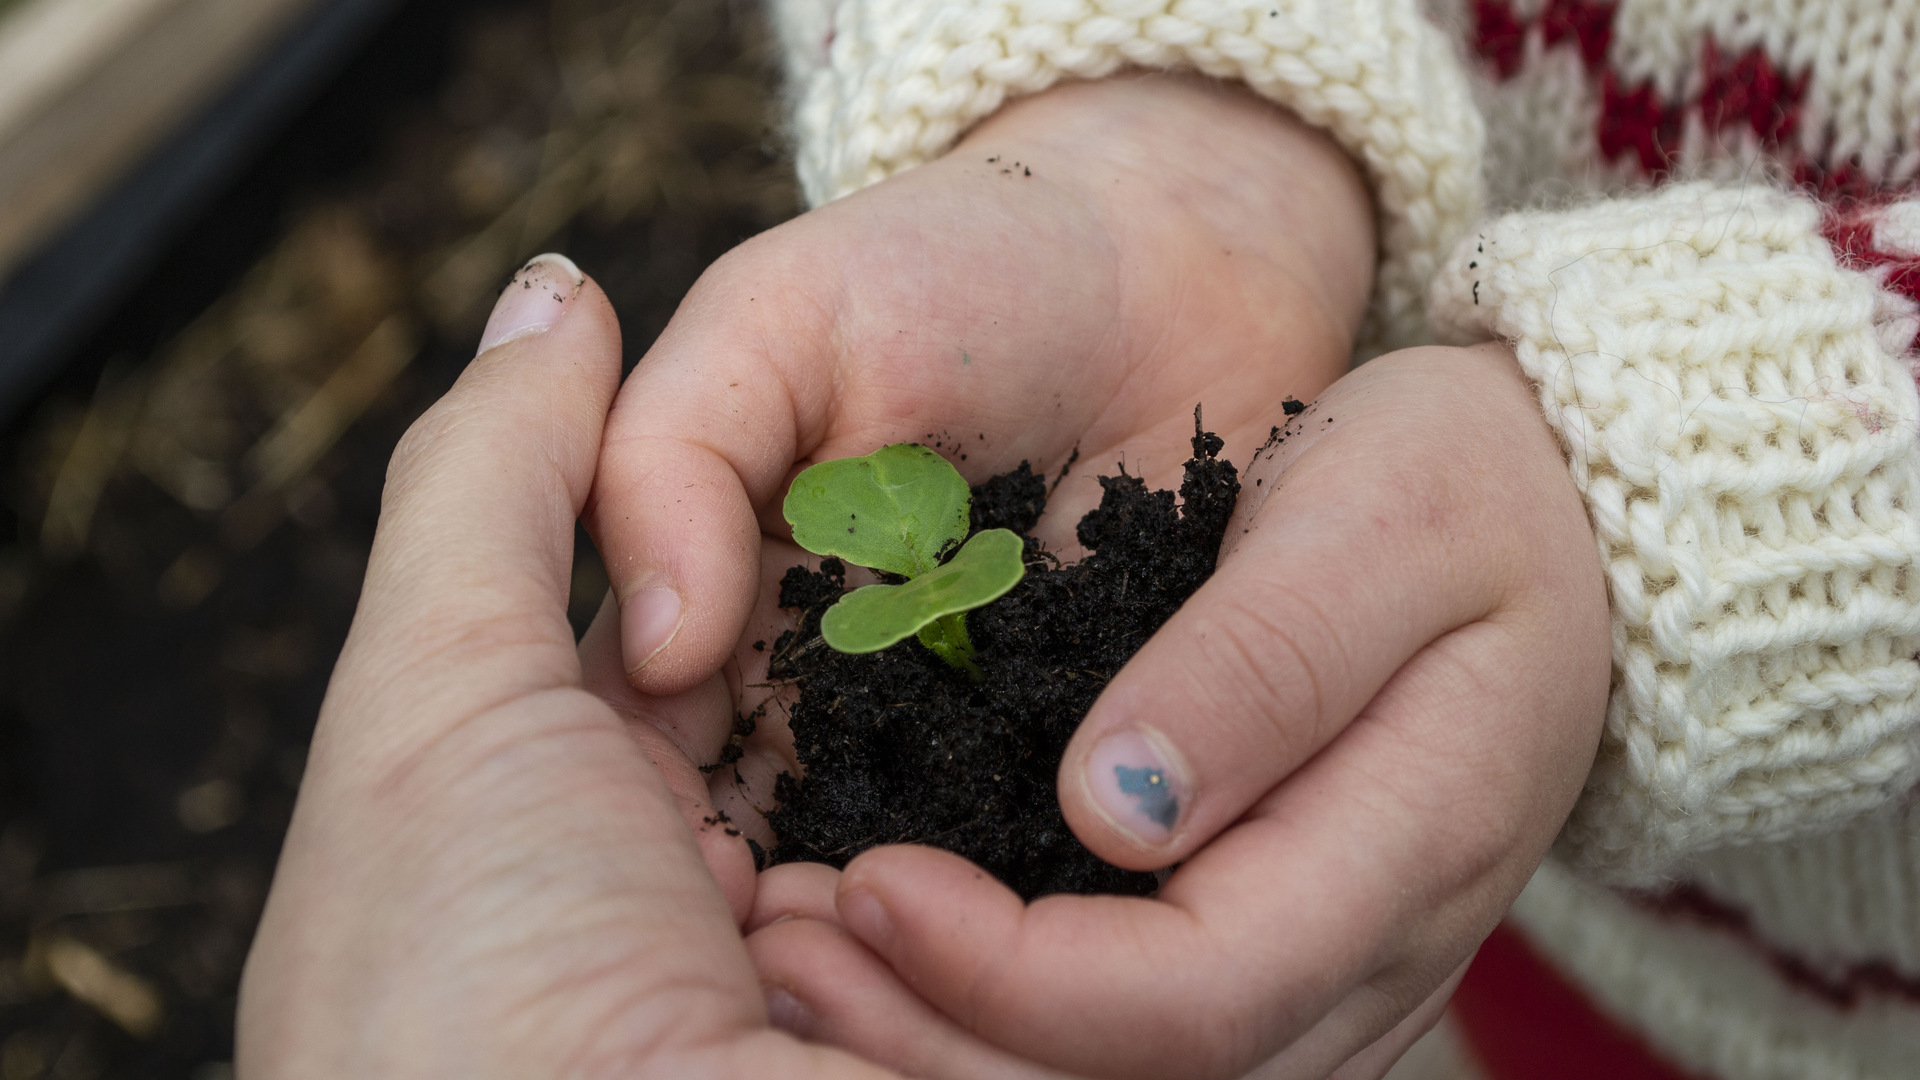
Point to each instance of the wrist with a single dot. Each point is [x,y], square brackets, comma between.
[1184,168]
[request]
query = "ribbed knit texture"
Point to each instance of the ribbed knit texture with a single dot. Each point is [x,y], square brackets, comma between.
[1745,440]
[1847,899]
[883,85]
[1714,999]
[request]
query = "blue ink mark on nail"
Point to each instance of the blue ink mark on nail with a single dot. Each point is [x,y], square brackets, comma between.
[1150,786]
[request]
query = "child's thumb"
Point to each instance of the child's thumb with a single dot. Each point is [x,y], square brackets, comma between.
[1333,576]
[703,432]
[1293,635]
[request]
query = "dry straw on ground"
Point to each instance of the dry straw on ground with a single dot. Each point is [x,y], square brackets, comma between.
[191,533]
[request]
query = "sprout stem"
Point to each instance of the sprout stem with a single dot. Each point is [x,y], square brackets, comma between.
[947,637]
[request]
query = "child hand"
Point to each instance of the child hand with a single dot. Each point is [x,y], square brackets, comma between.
[1080,272]
[1372,721]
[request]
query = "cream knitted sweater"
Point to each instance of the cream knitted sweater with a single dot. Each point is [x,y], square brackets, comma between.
[1727,361]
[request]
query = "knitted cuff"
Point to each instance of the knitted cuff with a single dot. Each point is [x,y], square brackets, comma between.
[882,85]
[1739,418]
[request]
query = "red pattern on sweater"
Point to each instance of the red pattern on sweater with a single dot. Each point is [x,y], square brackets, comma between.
[1842,986]
[1747,88]
[1733,91]
[1636,120]
[1852,221]
[1589,25]
[1525,1021]
[1501,36]
[1850,229]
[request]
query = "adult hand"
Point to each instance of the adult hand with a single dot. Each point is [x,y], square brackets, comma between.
[1374,718]
[485,877]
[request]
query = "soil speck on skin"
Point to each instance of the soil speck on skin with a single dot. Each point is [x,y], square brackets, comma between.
[898,747]
[1065,469]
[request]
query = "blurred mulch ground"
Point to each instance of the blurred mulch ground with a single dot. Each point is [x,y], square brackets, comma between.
[185,537]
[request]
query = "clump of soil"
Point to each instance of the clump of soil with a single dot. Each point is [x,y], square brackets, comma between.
[899,747]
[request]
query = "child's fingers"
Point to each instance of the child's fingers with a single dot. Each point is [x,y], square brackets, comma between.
[705,431]
[793,891]
[1327,1050]
[1372,1062]
[1374,870]
[852,1000]
[824,985]
[1373,530]
[1326,589]
[693,725]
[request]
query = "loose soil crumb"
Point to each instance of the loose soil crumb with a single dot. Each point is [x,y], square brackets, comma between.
[898,747]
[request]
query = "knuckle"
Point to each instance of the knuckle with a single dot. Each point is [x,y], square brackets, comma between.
[425,439]
[487,628]
[779,269]
[1277,661]
[1426,505]
[1222,1030]
[1381,1003]
[1475,808]
[442,646]
[1225,1038]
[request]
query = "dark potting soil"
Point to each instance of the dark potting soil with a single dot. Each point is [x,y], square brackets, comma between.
[899,747]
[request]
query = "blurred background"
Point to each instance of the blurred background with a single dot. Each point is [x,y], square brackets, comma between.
[242,244]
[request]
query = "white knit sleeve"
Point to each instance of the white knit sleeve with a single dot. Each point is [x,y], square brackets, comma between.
[878,86]
[1738,410]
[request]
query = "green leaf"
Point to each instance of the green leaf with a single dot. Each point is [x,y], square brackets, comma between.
[893,510]
[870,619]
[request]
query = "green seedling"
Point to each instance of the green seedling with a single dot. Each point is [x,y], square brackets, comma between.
[898,510]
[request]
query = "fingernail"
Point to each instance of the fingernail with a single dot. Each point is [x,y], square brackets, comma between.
[533,301]
[648,621]
[867,918]
[786,1012]
[1134,783]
